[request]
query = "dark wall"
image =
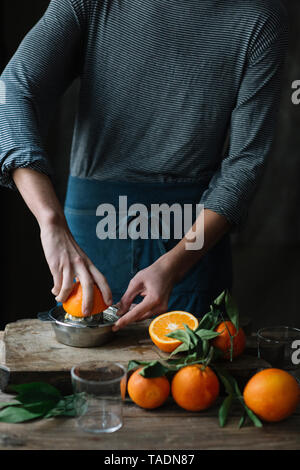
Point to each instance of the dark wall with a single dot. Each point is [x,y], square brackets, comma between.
[266,252]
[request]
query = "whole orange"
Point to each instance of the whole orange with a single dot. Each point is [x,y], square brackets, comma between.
[73,305]
[272,394]
[223,343]
[195,387]
[148,393]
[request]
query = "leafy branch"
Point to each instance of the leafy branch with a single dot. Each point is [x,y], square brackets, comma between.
[36,400]
[195,348]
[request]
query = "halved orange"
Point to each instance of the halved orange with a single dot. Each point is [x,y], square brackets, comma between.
[166,323]
[73,304]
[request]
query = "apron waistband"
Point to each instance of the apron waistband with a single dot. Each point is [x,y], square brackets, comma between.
[86,194]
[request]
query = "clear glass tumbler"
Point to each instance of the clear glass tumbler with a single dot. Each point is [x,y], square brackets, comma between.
[100,389]
[280,346]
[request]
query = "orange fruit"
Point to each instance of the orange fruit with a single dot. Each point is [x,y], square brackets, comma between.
[148,393]
[272,394]
[74,302]
[166,323]
[223,343]
[195,387]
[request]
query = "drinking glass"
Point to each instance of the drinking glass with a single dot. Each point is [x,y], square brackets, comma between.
[100,389]
[280,346]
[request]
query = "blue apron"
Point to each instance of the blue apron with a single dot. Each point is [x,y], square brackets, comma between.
[120,259]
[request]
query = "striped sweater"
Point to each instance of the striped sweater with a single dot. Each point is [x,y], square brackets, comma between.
[170,90]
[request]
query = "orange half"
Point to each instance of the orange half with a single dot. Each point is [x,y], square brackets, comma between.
[73,305]
[166,323]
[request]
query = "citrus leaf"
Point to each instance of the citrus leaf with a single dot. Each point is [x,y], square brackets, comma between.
[36,392]
[134,364]
[209,356]
[154,369]
[180,335]
[65,407]
[4,404]
[181,348]
[224,410]
[41,407]
[16,414]
[205,322]
[192,335]
[255,420]
[206,334]
[242,421]
[226,379]
[220,299]
[232,310]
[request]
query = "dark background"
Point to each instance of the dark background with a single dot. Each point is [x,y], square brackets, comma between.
[266,251]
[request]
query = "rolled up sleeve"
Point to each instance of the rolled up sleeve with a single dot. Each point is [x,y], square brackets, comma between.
[45,64]
[252,126]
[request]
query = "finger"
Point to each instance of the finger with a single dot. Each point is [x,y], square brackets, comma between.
[118,306]
[87,285]
[102,283]
[152,313]
[137,312]
[134,289]
[66,287]
[57,282]
[145,317]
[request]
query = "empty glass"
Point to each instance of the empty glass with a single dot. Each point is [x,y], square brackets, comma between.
[100,389]
[280,346]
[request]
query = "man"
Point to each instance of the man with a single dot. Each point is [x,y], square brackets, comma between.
[163,82]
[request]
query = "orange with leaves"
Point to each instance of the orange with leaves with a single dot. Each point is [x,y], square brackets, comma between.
[223,341]
[167,323]
[195,387]
[148,393]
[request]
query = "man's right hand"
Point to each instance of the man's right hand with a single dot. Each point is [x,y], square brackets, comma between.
[67,261]
[65,258]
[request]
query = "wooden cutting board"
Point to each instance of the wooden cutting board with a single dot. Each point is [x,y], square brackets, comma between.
[32,353]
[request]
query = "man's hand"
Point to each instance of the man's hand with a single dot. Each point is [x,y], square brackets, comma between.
[155,284]
[65,258]
[66,261]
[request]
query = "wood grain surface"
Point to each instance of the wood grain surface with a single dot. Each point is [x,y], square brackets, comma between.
[167,428]
[30,350]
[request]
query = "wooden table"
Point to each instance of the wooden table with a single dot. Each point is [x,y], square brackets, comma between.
[167,428]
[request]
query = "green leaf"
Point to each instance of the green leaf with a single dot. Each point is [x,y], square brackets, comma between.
[181,335]
[192,335]
[181,348]
[4,404]
[233,385]
[224,410]
[207,334]
[154,369]
[232,310]
[205,322]
[242,421]
[36,392]
[41,407]
[136,364]
[255,420]
[226,379]
[220,299]
[16,414]
[65,407]
[209,356]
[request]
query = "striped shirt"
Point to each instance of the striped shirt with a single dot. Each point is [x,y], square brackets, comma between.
[170,90]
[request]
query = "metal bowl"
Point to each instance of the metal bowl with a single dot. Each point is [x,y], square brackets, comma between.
[81,335]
